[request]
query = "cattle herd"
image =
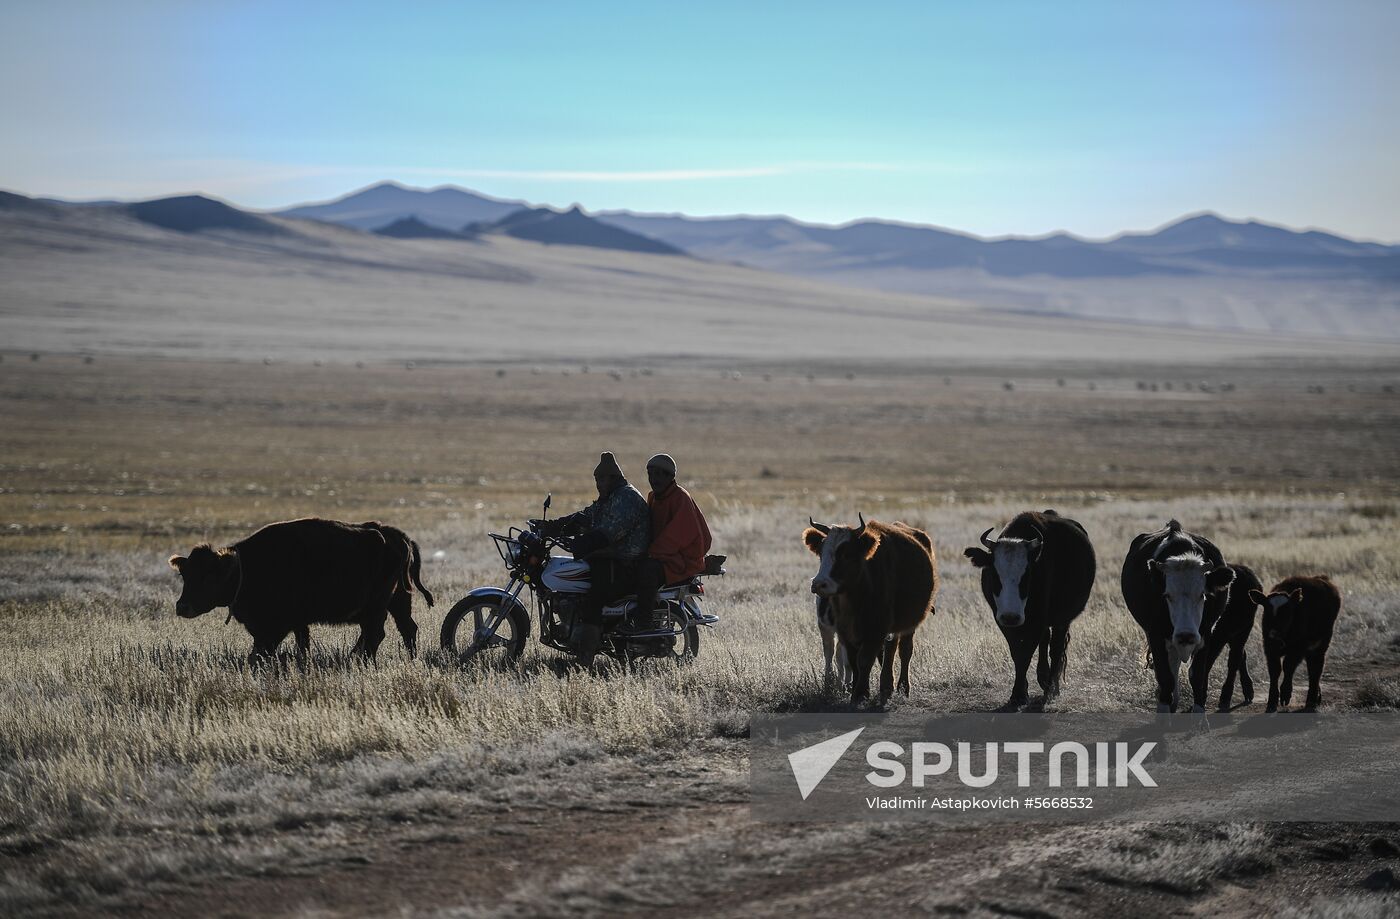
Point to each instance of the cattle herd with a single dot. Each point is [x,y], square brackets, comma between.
[876,583]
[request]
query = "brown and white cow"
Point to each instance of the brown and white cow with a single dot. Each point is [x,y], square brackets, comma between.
[880,580]
[290,575]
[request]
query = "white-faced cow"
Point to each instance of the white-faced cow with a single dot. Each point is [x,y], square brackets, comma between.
[1173,581]
[1036,577]
[290,575]
[880,580]
[1299,615]
[1232,629]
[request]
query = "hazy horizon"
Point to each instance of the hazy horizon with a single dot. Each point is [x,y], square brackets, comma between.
[1015,120]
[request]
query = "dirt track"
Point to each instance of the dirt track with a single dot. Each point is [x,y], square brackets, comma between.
[648,838]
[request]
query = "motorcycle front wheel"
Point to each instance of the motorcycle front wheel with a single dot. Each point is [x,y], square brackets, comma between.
[478,613]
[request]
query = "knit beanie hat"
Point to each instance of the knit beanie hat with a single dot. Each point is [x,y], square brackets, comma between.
[663,462]
[608,466]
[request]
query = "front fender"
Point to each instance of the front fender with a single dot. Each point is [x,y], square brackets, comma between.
[500,596]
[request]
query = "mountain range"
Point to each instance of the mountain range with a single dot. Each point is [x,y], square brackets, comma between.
[1202,271]
[1201,244]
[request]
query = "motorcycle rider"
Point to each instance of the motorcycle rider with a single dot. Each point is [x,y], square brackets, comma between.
[679,535]
[613,534]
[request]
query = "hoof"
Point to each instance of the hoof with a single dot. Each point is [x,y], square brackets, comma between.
[1198,709]
[1248,698]
[1271,709]
[1014,704]
[1163,708]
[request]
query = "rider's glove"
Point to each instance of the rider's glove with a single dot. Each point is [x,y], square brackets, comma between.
[544,527]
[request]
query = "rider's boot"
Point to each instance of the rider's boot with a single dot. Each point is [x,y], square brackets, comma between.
[586,638]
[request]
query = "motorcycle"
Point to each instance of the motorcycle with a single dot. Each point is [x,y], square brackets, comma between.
[497,620]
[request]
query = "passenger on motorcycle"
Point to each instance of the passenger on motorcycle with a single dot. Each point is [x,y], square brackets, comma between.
[613,534]
[679,535]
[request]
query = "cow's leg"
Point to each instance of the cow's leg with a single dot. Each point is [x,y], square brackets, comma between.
[1166,666]
[1042,663]
[1291,660]
[303,637]
[887,649]
[845,670]
[828,647]
[1275,664]
[1201,666]
[1059,648]
[863,657]
[1246,684]
[1227,688]
[1022,650]
[265,645]
[906,651]
[401,608]
[1315,660]
[371,634]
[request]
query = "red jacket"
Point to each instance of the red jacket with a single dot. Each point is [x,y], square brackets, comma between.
[679,536]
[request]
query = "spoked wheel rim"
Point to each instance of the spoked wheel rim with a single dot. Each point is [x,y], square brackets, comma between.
[686,643]
[469,638]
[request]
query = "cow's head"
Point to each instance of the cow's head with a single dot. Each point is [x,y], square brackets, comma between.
[1185,582]
[1280,607]
[843,552]
[1006,563]
[210,578]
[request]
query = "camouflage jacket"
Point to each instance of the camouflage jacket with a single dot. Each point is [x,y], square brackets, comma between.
[622,518]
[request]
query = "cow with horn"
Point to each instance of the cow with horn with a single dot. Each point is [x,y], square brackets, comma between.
[879,581]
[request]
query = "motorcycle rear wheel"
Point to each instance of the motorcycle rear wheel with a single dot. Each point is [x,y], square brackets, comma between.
[687,642]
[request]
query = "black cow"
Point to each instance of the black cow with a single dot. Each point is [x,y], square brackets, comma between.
[1232,628]
[1173,581]
[880,579]
[1036,577]
[290,575]
[1299,615]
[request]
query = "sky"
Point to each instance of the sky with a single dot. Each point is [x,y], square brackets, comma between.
[995,118]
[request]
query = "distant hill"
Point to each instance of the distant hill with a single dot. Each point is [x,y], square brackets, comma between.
[413,228]
[1201,244]
[569,228]
[379,205]
[193,213]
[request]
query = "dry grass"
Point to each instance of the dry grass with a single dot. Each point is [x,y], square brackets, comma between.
[119,722]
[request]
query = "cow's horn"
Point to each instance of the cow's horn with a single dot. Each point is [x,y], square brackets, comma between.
[990,544]
[823,528]
[1038,541]
[861,518]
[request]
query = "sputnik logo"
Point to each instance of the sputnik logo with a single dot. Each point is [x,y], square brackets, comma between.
[811,764]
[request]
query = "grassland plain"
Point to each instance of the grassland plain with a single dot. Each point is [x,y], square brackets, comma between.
[142,764]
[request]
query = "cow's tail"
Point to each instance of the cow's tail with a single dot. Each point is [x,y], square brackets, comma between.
[415,565]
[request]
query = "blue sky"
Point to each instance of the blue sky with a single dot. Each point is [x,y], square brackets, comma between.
[993,117]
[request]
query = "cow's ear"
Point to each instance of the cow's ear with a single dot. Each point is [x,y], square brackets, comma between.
[177,562]
[1220,578]
[1296,595]
[1153,567]
[1257,597]
[814,538]
[869,543]
[980,558]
